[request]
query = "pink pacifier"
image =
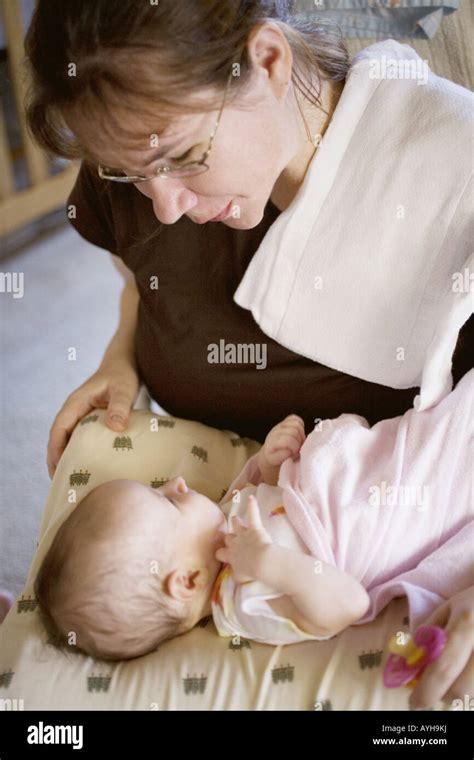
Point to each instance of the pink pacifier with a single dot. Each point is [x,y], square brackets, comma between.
[409,658]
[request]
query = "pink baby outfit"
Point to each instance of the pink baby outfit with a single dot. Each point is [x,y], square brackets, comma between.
[391,505]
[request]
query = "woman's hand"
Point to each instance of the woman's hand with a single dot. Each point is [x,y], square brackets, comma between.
[451,676]
[113,387]
[244,546]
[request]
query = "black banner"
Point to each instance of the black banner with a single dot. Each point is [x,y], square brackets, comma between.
[137,734]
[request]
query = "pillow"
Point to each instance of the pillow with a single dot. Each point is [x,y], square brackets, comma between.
[199,670]
[153,449]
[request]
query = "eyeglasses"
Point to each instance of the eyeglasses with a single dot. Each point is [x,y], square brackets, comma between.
[175,168]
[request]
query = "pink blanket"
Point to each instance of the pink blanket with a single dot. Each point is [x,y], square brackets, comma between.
[392,505]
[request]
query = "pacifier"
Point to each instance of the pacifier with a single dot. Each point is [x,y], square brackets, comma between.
[409,658]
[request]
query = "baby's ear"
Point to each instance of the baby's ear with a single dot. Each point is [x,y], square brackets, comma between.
[183,584]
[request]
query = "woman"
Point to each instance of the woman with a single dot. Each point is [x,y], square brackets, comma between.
[229,102]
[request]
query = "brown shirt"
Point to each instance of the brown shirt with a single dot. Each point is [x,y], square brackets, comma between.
[198,269]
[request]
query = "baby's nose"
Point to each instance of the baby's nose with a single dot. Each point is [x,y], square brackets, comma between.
[180,484]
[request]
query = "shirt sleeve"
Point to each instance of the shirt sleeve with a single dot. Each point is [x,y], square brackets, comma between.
[263,623]
[242,610]
[90,211]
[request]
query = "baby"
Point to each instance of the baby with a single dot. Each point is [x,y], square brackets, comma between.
[314,535]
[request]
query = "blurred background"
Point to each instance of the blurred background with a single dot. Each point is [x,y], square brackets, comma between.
[71,290]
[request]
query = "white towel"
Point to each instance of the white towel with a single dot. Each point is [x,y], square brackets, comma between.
[354,273]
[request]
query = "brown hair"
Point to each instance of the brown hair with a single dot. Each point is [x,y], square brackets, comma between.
[144,56]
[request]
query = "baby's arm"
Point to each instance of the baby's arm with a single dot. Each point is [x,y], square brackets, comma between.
[283,441]
[318,597]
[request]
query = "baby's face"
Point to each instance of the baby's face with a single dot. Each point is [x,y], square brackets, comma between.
[190,524]
[196,524]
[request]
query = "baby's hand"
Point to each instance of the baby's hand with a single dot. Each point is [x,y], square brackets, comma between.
[284,440]
[244,546]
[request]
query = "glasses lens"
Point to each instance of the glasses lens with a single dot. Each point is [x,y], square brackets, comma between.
[117,175]
[186,171]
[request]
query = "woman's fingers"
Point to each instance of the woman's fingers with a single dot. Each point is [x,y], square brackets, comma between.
[439,677]
[120,404]
[62,427]
[439,616]
[463,685]
[113,387]
[58,439]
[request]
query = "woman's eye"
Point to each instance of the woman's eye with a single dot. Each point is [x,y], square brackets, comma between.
[184,156]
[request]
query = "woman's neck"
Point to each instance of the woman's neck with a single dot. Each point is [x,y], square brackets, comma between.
[292,176]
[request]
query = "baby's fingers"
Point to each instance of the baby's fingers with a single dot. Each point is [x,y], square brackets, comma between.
[252,515]
[286,442]
[237,524]
[295,423]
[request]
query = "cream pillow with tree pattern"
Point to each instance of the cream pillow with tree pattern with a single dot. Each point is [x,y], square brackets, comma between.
[153,449]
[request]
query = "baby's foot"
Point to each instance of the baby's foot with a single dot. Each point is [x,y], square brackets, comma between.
[6,601]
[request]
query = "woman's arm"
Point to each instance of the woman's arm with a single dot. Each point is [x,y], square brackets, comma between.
[113,386]
[123,341]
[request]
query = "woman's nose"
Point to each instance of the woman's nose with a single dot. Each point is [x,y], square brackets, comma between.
[170,198]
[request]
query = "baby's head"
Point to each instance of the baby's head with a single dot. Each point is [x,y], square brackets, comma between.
[131,567]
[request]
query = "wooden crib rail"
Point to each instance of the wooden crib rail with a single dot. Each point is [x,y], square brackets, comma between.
[45,192]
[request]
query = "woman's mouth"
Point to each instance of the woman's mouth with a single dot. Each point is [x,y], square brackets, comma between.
[219,218]
[223,214]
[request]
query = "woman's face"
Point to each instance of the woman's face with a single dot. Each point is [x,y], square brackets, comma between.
[259,136]
[250,150]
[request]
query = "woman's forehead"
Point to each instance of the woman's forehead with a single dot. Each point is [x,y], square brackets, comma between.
[124,137]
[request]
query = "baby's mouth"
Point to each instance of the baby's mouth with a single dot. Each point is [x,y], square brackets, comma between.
[219,539]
